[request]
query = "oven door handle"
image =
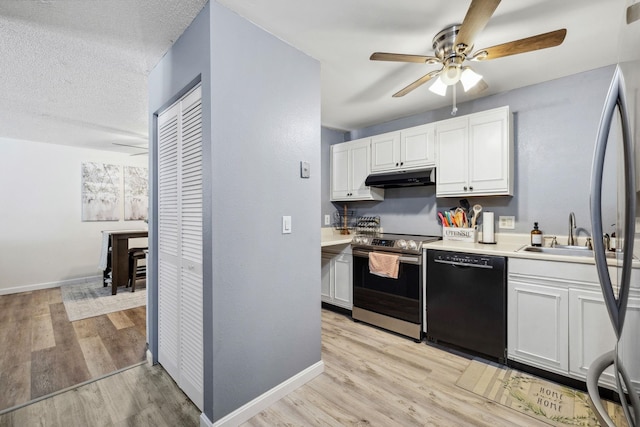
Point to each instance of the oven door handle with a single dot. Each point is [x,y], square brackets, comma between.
[405,259]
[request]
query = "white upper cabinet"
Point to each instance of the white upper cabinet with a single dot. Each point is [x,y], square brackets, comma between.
[350,166]
[411,148]
[475,155]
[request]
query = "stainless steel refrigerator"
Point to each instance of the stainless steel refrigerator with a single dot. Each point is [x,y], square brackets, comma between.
[617,160]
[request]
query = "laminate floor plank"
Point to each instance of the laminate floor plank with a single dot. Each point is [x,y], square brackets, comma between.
[42,331]
[15,385]
[120,320]
[96,356]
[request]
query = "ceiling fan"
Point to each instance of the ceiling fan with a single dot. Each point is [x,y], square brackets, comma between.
[453,47]
[139,147]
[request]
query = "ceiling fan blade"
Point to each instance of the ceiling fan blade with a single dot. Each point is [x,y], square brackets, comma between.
[529,44]
[400,57]
[422,80]
[633,13]
[477,17]
[140,147]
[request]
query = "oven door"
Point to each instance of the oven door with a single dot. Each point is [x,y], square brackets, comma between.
[399,298]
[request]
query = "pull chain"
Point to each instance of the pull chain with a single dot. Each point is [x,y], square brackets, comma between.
[454,110]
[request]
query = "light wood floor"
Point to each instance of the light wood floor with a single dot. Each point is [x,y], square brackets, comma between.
[42,352]
[375,378]
[371,378]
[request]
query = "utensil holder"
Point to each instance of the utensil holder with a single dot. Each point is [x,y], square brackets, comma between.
[460,234]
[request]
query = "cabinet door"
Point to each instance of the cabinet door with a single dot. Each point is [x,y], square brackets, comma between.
[340,185]
[417,147]
[630,342]
[590,332]
[490,153]
[343,281]
[325,283]
[451,152]
[360,168]
[385,152]
[537,325]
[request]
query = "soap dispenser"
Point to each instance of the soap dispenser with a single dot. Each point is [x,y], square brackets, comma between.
[536,235]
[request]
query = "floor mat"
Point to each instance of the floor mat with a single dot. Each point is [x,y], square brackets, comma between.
[92,299]
[546,401]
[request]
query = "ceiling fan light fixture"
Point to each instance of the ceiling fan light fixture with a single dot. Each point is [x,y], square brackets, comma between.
[451,74]
[438,87]
[469,78]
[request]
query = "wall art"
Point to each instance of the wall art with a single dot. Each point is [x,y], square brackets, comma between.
[100,192]
[136,193]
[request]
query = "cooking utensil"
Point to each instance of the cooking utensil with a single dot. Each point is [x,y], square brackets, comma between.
[464,204]
[459,217]
[476,211]
[445,223]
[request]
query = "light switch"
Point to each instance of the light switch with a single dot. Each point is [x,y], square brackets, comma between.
[327,220]
[286,225]
[305,170]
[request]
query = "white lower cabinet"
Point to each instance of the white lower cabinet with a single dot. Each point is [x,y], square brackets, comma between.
[591,332]
[557,319]
[538,330]
[337,269]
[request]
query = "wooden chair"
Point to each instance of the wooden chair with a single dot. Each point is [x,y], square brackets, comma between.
[136,271]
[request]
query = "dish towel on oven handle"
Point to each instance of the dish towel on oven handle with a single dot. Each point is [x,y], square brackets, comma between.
[384,265]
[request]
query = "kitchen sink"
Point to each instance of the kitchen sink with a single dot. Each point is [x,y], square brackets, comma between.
[579,251]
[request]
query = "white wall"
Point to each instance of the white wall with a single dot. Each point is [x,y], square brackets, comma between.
[43,242]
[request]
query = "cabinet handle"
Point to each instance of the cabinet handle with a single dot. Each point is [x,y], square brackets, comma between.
[401,163]
[397,164]
[470,188]
[465,188]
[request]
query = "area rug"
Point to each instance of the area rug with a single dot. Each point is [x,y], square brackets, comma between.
[546,401]
[92,299]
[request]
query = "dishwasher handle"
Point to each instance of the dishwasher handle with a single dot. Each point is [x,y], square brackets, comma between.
[463,264]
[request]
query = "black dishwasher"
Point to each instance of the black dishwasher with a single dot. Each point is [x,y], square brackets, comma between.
[466,302]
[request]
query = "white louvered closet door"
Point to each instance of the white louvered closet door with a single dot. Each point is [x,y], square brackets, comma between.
[180,332]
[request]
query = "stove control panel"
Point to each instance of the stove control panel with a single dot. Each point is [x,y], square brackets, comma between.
[411,245]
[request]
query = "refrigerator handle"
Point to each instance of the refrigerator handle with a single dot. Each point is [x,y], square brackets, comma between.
[615,98]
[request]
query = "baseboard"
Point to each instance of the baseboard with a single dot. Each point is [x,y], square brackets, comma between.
[48,285]
[149,358]
[266,399]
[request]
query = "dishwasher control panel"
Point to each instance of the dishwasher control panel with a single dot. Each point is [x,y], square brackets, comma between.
[456,258]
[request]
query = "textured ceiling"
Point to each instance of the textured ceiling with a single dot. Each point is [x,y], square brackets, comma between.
[75,71]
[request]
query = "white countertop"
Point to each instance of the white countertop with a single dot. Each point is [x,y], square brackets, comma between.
[331,237]
[508,245]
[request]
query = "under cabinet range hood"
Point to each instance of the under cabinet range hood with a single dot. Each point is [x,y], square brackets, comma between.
[410,178]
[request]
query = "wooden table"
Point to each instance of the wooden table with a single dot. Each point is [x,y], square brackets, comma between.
[119,241]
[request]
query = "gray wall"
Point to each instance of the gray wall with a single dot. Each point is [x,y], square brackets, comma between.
[262,305]
[555,125]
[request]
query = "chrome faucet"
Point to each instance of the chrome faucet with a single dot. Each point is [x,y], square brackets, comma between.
[571,241]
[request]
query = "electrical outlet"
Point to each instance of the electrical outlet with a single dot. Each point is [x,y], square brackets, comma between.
[327,220]
[507,222]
